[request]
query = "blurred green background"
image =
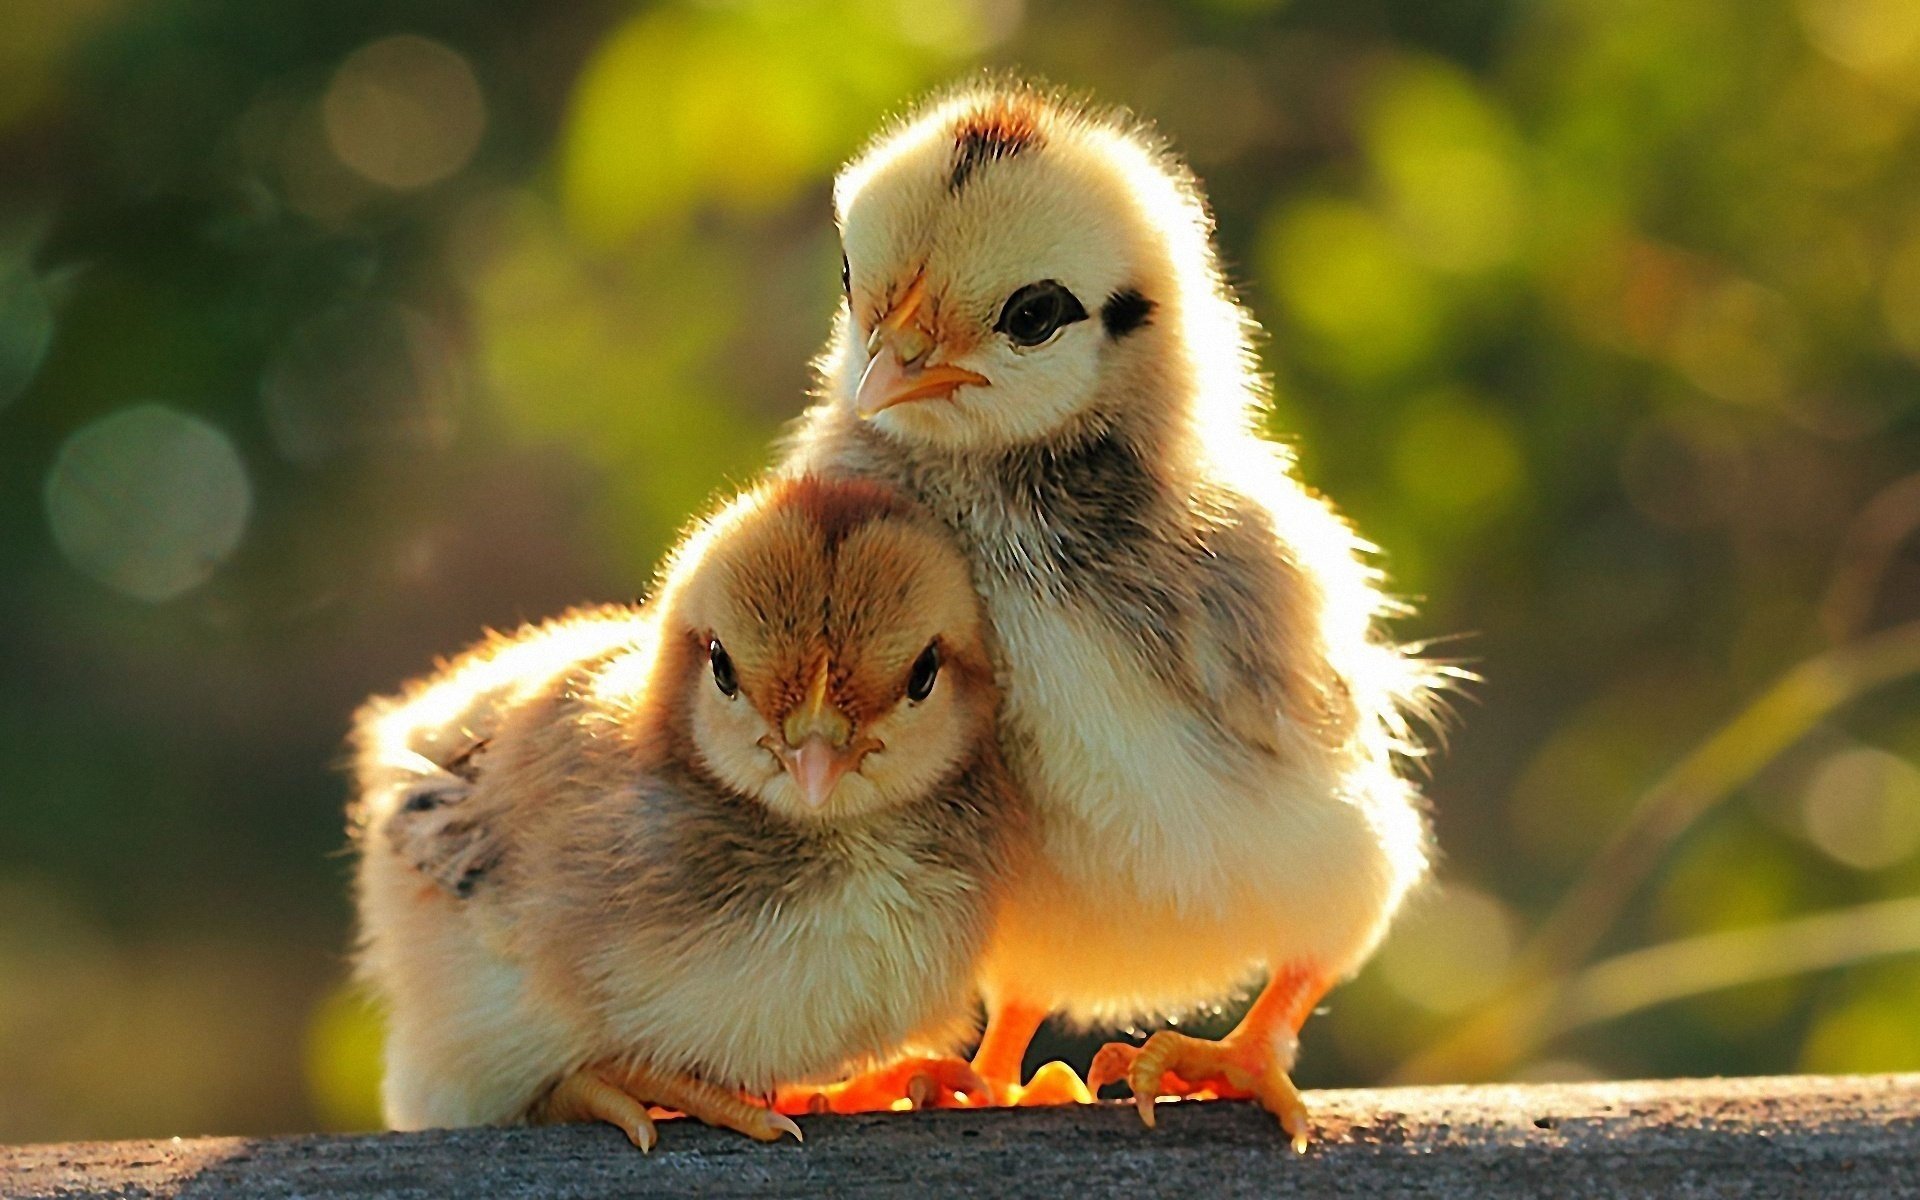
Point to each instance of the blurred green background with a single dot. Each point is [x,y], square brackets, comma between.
[333,332]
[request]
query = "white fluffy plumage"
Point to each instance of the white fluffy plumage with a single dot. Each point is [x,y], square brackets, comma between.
[1200,699]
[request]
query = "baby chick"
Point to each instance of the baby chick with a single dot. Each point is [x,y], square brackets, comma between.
[1038,344]
[752,835]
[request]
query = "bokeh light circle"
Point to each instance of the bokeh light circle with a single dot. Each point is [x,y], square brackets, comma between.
[404,112]
[1457,454]
[148,501]
[1871,36]
[1862,808]
[1448,951]
[366,375]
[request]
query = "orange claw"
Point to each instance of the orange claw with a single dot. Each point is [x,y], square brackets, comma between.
[587,1095]
[620,1096]
[1250,1062]
[1224,1067]
[1112,1063]
[914,1082]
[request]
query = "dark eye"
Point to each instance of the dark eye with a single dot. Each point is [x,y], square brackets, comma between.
[723,676]
[926,669]
[1035,311]
[846,277]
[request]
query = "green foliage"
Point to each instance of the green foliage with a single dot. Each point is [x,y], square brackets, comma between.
[332,333]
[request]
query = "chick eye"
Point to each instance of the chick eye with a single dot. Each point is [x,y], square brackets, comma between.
[722,664]
[846,277]
[926,669]
[1033,313]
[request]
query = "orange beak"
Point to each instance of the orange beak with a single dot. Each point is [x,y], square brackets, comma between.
[897,367]
[819,747]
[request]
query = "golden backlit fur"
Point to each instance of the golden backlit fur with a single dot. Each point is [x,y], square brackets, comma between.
[1199,698]
[574,850]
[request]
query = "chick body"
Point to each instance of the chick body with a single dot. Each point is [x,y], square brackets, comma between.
[563,862]
[1198,696]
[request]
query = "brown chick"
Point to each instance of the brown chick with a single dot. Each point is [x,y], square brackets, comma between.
[751,836]
[1037,343]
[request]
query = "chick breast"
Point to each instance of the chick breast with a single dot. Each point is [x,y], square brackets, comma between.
[751,951]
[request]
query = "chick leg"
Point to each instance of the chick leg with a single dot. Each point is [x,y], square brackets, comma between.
[1252,1061]
[1010,1029]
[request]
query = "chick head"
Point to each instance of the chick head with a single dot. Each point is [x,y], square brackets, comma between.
[832,648]
[1015,262]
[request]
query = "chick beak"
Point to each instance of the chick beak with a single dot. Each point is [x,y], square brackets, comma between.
[817,766]
[897,367]
[819,749]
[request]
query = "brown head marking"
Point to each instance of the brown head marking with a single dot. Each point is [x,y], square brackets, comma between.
[1000,127]
[840,506]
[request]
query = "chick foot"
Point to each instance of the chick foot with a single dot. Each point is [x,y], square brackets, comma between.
[621,1097]
[1249,1063]
[1053,1083]
[1010,1029]
[910,1083]
[1175,1064]
[587,1095]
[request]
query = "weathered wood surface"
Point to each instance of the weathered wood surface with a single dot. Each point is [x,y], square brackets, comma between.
[1760,1138]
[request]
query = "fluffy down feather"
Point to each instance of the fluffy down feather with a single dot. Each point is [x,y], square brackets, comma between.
[576,847]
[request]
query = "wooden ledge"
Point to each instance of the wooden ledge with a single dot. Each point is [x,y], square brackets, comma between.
[1761,1138]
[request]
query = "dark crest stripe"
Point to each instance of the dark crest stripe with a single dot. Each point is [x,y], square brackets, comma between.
[1001,130]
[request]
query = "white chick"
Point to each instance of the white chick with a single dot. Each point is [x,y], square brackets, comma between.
[1038,344]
